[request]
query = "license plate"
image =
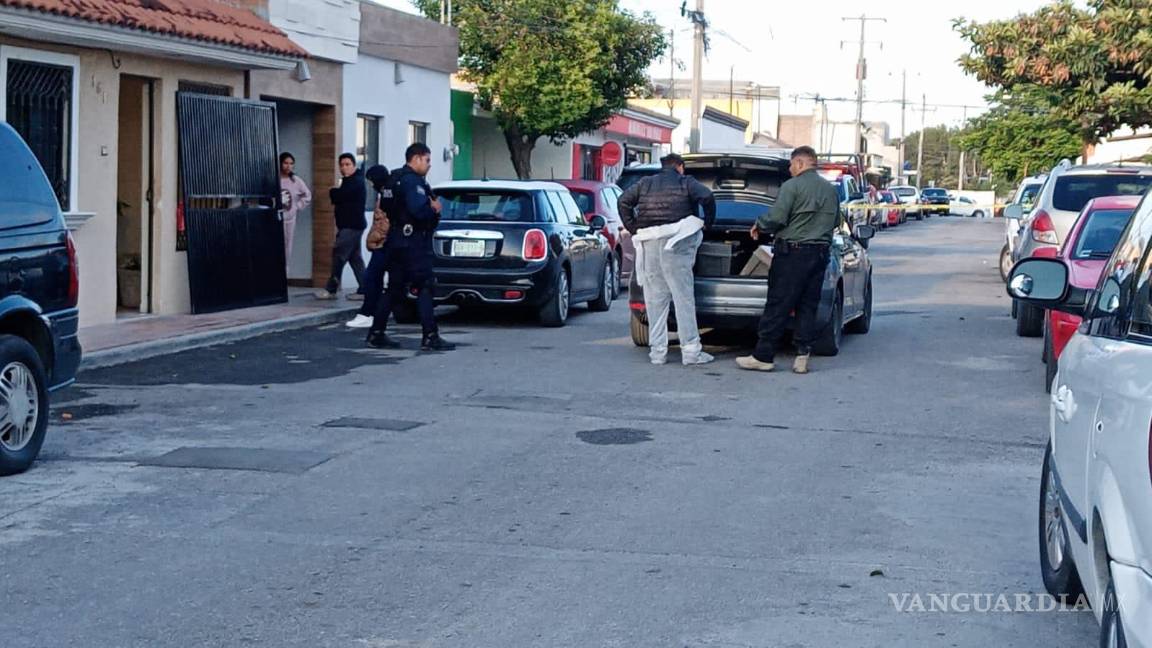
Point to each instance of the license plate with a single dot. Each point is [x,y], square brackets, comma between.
[473,249]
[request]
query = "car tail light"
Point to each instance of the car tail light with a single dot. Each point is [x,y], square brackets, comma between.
[73,273]
[513,294]
[1042,229]
[535,245]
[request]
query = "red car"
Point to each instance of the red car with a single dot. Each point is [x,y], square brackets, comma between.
[894,216]
[1087,249]
[599,199]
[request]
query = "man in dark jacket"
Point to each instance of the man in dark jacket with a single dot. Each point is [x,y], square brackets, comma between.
[660,212]
[408,252]
[349,199]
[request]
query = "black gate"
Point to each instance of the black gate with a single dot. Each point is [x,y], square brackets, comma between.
[230,190]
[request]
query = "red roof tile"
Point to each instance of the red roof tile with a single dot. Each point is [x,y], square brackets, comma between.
[202,20]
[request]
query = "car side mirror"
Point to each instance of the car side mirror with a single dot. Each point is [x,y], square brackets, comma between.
[1044,283]
[1014,212]
[597,223]
[864,233]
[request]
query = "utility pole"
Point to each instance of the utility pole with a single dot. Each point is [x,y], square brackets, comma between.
[960,180]
[920,146]
[861,74]
[672,72]
[903,110]
[697,75]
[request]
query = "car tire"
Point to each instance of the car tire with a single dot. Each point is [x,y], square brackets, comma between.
[1111,625]
[608,280]
[861,325]
[828,344]
[621,286]
[1005,263]
[1029,321]
[1051,363]
[639,331]
[406,312]
[24,391]
[1056,566]
[554,312]
[978,214]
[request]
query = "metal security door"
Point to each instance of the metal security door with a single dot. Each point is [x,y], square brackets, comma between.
[230,195]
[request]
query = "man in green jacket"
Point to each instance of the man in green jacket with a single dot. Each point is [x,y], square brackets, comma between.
[803,219]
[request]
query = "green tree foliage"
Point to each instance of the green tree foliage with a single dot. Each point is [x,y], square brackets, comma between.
[941,156]
[1096,57]
[1022,134]
[551,69]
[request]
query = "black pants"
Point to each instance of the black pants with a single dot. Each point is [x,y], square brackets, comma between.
[409,266]
[794,284]
[373,281]
[346,249]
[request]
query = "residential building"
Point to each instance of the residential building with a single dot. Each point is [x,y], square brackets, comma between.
[758,105]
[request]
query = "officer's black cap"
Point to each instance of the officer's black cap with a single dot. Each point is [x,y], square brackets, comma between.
[377,174]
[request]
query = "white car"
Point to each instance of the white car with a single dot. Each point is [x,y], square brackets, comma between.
[1096,489]
[965,206]
[909,195]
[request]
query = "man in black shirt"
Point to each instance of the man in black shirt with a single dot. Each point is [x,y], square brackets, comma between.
[349,200]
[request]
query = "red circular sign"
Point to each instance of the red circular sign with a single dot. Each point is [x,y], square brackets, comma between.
[611,154]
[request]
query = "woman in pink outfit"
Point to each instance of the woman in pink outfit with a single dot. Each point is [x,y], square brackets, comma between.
[295,196]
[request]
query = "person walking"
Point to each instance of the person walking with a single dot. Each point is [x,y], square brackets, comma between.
[803,220]
[294,197]
[409,254]
[660,212]
[382,183]
[348,199]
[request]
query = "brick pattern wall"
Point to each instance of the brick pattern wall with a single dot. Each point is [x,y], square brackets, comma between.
[325,134]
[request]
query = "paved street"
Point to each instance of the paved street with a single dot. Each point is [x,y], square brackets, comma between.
[544,487]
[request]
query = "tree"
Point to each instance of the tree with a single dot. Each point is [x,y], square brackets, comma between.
[1097,60]
[551,69]
[941,158]
[1023,133]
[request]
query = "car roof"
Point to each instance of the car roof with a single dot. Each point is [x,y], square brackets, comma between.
[1113,202]
[502,185]
[1096,169]
[642,168]
[589,185]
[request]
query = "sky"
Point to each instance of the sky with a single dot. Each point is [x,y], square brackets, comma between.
[806,48]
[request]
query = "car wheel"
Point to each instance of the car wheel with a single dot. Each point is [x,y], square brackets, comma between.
[1111,626]
[639,331]
[618,259]
[1056,566]
[406,312]
[829,342]
[555,311]
[607,283]
[978,214]
[24,399]
[1029,321]
[863,324]
[1005,263]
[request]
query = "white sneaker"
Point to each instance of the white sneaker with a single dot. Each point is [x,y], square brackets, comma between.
[658,360]
[360,321]
[697,359]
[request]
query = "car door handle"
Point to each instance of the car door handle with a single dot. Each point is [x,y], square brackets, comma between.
[1063,404]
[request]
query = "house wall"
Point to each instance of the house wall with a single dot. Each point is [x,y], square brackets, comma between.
[490,156]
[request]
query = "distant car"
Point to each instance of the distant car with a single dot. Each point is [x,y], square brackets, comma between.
[853,200]
[909,196]
[1095,522]
[1058,205]
[893,215]
[600,199]
[934,200]
[520,243]
[1086,251]
[630,175]
[965,206]
[39,348]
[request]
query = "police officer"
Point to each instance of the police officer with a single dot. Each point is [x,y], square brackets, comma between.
[414,215]
[803,220]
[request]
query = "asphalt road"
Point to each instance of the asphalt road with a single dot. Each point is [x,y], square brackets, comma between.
[546,487]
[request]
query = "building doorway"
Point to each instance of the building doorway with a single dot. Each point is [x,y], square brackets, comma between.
[295,125]
[135,176]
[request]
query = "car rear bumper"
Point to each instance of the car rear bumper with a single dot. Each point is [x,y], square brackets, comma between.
[1134,595]
[65,327]
[482,286]
[732,304]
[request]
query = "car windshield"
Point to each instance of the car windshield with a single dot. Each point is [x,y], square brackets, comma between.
[1028,194]
[841,190]
[935,193]
[1072,192]
[904,191]
[631,177]
[887,198]
[584,200]
[1100,233]
[486,205]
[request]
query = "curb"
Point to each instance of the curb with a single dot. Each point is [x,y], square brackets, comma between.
[144,350]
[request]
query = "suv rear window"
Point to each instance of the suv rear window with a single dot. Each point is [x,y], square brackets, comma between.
[904,191]
[26,198]
[935,193]
[629,177]
[1072,192]
[487,205]
[1100,233]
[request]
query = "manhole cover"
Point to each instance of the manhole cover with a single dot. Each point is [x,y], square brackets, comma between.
[89,411]
[257,459]
[614,436]
[394,425]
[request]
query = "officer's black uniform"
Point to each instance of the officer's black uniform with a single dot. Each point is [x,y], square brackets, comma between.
[409,259]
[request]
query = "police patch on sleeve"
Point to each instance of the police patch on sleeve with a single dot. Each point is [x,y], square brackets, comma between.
[421,190]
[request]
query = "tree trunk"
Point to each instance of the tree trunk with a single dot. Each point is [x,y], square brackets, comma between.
[520,147]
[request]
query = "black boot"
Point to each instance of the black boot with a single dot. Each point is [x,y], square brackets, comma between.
[433,342]
[380,340]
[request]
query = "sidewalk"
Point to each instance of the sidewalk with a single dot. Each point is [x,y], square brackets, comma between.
[149,336]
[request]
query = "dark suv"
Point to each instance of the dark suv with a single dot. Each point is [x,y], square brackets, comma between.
[935,200]
[39,288]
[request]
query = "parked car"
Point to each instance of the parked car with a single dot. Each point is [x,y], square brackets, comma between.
[630,175]
[853,200]
[745,185]
[910,197]
[934,200]
[1023,199]
[39,348]
[1057,206]
[520,243]
[965,206]
[600,199]
[1095,524]
[893,215]
[1087,248]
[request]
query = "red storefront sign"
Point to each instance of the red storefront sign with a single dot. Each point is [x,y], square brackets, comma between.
[632,127]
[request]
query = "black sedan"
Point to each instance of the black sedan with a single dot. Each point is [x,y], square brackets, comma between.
[935,200]
[520,243]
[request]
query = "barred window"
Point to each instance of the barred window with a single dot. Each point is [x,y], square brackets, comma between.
[39,107]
